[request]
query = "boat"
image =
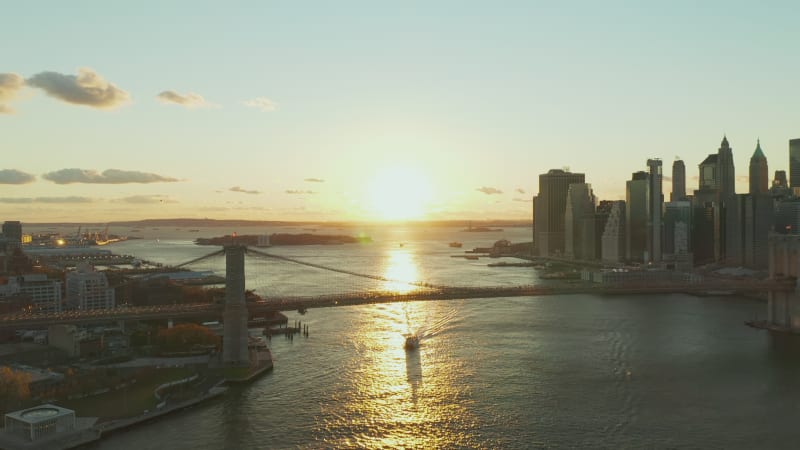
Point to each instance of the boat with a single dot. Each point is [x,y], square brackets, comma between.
[412,342]
[455,244]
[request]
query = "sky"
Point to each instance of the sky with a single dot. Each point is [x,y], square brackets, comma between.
[370,110]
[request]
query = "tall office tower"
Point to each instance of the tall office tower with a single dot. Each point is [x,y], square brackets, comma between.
[579,222]
[794,163]
[12,230]
[655,203]
[759,173]
[551,204]
[708,173]
[678,181]
[780,179]
[780,186]
[613,239]
[726,174]
[677,237]
[636,217]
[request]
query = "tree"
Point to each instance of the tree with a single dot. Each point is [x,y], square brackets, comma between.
[14,387]
[185,336]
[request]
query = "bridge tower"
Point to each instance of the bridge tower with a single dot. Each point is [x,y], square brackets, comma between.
[235,316]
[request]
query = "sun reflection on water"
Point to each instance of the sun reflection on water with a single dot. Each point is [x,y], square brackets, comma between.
[399,398]
[401,269]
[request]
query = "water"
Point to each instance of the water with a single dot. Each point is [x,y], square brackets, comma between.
[661,371]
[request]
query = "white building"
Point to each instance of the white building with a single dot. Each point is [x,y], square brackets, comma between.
[41,421]
[88,289]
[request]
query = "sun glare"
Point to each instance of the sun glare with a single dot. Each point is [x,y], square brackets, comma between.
[399,193]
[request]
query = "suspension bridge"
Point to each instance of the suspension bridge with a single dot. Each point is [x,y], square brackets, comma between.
[236,311]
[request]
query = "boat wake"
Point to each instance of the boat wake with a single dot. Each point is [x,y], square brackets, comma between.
[415,335]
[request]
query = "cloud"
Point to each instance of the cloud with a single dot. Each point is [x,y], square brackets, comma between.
[13,176]
[314,180]
[87,88]
[71,199]
[243,191]
[262,103]
[520,190]
[528,200]
[742,179]
[147,199]
[190,100]
[21,200]
[667,179]
[10,83]
[298,191]
[489,190]
[110,176]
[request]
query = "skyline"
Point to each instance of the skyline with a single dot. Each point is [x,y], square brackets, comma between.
[329,109]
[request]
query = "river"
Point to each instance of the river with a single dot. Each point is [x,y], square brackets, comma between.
[662,371]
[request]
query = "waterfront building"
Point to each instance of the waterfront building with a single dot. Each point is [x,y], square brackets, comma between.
[88,289]
[759,172]
[613,237]
[794,163]
[550,206]
[12,231]
[40,422]
[654,204]
[636,217]
[579,222]
[678,181]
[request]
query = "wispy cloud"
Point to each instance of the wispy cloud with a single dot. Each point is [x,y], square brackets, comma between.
[243,191]
[22,200]
[87,88]
[524,200]
[14,176]
[110,176]
[298,191]
[489,190]
[146,199]
[10,84]
[314,180]
[520,190]
[190,100]
[262,103]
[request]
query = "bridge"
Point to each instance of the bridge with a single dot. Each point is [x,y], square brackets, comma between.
[236,311]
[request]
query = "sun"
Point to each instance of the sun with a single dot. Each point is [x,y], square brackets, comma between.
[399,193]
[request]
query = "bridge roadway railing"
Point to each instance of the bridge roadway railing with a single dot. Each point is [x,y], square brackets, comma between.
[214,310]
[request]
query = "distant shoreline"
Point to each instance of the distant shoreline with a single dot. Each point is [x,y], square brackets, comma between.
[187,222]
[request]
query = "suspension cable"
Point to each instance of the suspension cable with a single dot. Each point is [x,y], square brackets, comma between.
[343,271]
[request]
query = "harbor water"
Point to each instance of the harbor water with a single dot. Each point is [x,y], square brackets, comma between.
[661,371]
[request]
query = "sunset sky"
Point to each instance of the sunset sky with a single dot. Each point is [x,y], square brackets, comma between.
[375,110]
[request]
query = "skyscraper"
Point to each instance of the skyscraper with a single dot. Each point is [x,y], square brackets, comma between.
[654,203]
[759,173]
[12,230]
[636,217]
[579,222]
[551,204]
[794,163]
[613,239]
[678,181]
[726,174]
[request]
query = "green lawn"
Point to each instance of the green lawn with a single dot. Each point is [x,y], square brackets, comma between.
[127,402]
